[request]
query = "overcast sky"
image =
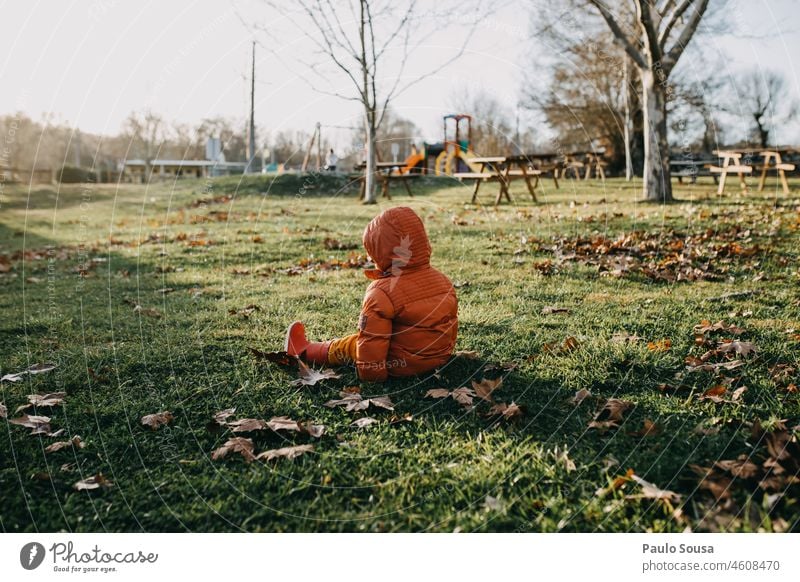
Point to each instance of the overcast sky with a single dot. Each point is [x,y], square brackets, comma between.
[91,63]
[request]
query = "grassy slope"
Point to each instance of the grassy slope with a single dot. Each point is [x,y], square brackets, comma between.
[432,474]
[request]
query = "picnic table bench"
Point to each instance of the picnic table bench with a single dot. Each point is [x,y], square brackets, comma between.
[772,162]
[692,169]
[501,169]
[386,174]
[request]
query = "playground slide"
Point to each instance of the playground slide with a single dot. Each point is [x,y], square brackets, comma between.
[411,162]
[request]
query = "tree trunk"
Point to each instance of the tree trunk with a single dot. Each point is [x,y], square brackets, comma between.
[627,122]
[372,158]
[657,183]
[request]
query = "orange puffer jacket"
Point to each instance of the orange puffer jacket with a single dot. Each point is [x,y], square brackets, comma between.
[409,318]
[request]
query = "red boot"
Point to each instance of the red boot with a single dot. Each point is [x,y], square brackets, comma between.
[296,344]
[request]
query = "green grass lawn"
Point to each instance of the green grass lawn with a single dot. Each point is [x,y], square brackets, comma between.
[139,296]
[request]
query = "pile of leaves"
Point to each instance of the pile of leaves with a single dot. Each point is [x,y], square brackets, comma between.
[664,256]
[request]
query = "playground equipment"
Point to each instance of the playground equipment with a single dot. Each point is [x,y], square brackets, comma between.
[454,155]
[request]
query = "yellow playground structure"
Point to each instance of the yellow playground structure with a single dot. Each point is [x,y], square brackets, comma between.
[454,155]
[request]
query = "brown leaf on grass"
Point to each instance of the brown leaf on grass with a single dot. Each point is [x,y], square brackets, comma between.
[246,311]
[222,416]
[611,414]
[694,364]
[247,425]
[715,394]
[617,483]
[486,387]
[93,482]
[33,370]
[52,399]
[241,445]
[580,396]
[737,347]
[74,442]
[405,417]
[649,428]
[463,396]
[363,422]
[353,402]
[309,376]
[312,430]
[650,491]
[661,345]
[719,485]
[468,354]
[38,424]
[507,411]
[3,411]
[706,326]
[437,393]
[148,311]
[159,419]
[570,344]
[382,402]
[550,310]
[280,358]
[332,244]
[285,452]
[741,467]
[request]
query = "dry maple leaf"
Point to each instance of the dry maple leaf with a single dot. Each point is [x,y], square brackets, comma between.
[352,401]
[247,425]
[221,417]
[382,402]
[241,445]
[312,430]
[52,399]
[463,396]
[38,424]
[580,396]
[159,419]
[715,483]
[486,387]
[74,442]
[706,326]
[406,417]
[363,422]
[611,414]
[309,376]
[714,394]
[35,369]
[623,338]
[741,467]
[93,482]
[285,452]
[735,346]
[507,411]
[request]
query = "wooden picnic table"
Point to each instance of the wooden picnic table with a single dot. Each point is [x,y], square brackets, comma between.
[500,169]
[772,161]
[385,174]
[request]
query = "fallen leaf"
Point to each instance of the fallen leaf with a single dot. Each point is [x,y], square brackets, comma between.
[364,422]
[93,482]
[53,399]
[486,387]
[154,421]
[247,425]
[550,310]
[623,338]
[463,396]
[436,393]
[285,452]
[617,483]
[580,396]
[662,345]
[280,358]
[406,417]
[35,369]
[309,376]
[741,467]
[353,402]
[735,346]
[468,354]
[611,414]
[241,445]
[649,428]
[38,424]
[706,326]
[650,491]
[3,411]
[714,394]
[74,442]
[312,430]
[507,411]
[222,416]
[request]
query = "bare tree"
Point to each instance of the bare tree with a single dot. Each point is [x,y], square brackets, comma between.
[764,97]
[146,133]
[369,42]
[655,43]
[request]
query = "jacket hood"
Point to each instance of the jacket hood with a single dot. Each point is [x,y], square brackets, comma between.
[396,240]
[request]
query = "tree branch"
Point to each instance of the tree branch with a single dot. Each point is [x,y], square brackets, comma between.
[689,29]
[619,35]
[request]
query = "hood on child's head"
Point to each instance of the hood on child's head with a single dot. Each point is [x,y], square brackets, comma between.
[396,239]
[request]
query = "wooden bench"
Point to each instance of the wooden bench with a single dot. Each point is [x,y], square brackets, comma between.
[774,163]
[502,169]
[692,169]
[385,179]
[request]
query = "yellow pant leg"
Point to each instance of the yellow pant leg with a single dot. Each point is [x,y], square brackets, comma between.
[343,350]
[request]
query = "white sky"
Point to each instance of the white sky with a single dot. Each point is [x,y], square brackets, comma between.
[91,63]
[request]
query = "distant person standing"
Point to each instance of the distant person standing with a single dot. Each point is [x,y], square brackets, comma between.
[330,161]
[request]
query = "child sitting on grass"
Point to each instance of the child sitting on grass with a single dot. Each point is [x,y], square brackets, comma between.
[409,318]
